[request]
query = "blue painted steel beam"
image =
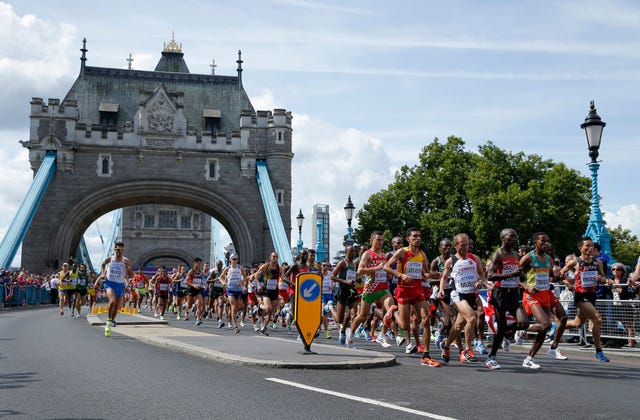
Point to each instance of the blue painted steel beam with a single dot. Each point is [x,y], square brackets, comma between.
[276,227]
[116,221]
[21,222]
[83,255]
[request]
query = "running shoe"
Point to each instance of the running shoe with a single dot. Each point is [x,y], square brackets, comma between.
[529,363]
[220,324]
[400,341]
[519,336]
[349,340]
[155,314]
[469,357]
[359,332]
[420,348]
[492,364]
[411,348]
[341,338]
[237,330]
[264,331]
[556,353]
[186,318]
[438,341]
[428,361]
[178,318]
[480,348]
[113,323]
[388,317]
[230,326]
[600,356]
[107,329]
[78,315]
[506,344]
[445,354]
[369,337]
[256,328]
[242,323]
[198,322]
[161,317]
[327,334]
[61,312]
[383,340]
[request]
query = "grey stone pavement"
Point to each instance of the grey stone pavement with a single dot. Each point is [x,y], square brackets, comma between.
[249,348]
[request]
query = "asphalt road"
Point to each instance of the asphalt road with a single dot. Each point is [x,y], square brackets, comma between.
[58,367]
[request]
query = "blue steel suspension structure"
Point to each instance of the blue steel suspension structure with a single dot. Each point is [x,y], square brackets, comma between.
[276,227]
[20,224]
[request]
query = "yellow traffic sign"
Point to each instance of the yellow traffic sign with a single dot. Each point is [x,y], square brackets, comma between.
[308,306]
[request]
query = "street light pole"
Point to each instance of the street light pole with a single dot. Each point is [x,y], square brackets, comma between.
[299,220]
[596,229]
[348,212]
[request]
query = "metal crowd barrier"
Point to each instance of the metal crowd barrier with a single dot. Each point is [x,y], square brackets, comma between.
[620,319]
[29,295]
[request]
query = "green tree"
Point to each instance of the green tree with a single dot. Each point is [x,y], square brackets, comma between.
[453,190]
[429,195]
[624,246]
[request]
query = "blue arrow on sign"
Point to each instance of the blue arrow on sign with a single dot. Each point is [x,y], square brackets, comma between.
[310,290]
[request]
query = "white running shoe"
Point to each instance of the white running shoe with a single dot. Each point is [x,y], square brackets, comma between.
[383,340]
[529,363]
[556,354]
[519,337]
[411,348]
[506,344]
[400,341]
[349,340]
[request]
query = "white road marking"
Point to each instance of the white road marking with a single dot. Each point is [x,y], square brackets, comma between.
[360,399]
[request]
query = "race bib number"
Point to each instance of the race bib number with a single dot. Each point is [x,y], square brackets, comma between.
[351,275]
[511,282]
[542,281]
[466,284]
[381,276]
[272,284]
[589,278]
[164,287]
[414,270]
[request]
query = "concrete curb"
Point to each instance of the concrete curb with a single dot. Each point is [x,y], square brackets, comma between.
[245,348]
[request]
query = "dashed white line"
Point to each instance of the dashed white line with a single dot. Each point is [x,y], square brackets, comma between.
[360,399]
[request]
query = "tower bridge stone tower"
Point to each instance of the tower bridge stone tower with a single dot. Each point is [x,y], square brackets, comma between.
[128,137]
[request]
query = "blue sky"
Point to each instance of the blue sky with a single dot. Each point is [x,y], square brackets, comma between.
[369,82]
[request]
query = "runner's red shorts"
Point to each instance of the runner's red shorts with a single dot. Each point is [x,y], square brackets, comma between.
[543,298]
[409,295]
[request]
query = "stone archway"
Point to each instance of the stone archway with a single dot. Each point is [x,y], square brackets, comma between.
[157,253]
[79,216]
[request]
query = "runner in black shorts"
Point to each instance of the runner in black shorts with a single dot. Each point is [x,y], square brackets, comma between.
[506,275]
[268,288]
[347,297]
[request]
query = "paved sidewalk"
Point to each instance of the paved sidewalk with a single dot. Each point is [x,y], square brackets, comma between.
[246,348]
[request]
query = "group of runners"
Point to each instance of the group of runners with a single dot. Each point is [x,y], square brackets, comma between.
[401,293]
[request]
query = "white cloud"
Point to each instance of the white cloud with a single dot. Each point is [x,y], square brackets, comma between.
[330,164]
[33,51]
[628,216]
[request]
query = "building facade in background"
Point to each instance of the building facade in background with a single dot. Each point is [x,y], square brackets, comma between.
[320,213]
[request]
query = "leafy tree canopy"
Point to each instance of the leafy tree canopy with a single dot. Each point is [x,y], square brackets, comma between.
[453,190]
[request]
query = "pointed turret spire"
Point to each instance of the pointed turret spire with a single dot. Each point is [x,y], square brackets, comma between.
[172,59]
[239,61]
[83,58]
